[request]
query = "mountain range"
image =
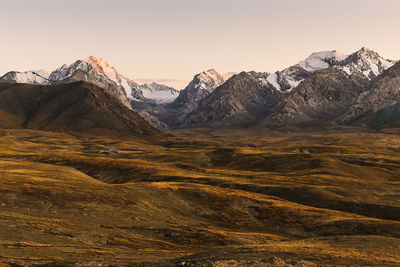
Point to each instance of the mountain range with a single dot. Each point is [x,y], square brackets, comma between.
[327,87]
[97,71]
[319,89]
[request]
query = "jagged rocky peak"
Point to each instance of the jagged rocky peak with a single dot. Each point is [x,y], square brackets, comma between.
[209,73]
[102,66]
[367,62]
[96,71]
[201,86]
[100,63]
[107,76]
[90,65]
[366,52]
[210,79]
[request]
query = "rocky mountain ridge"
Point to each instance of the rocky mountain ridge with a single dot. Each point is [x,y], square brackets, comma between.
[318,89]
[243,100]
[326,87]
[97,71]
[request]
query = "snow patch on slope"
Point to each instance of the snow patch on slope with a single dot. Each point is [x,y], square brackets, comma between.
[160,93]
[273,79]
[30,77]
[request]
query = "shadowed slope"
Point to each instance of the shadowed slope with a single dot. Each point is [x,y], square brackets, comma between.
[74,107]
[379,106]
[243,100]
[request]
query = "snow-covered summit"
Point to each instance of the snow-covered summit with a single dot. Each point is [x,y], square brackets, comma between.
[322,60]
[367,62]
[364,61]
[202,85]
[101,66]
[96,71]
[108,76]
[93,66]
[209,80]
[291,77]
[38,77]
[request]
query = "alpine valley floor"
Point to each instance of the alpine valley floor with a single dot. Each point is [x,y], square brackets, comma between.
[327,197]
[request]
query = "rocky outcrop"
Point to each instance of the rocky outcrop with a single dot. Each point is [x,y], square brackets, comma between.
[379,104]
[324,96]
[242,100]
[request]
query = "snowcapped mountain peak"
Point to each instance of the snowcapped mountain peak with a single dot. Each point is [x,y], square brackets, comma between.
[366,54]
[214,75]
[325,55]
[97,71]
[39,77]
[101,66]
[209,80]
[99,62]
[97,67]
[367,62]
[291,77]
[364,50]
[322,60]
[202,85]
[211,73]
[106,76]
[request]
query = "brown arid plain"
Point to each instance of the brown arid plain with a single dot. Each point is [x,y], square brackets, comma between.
[201,197]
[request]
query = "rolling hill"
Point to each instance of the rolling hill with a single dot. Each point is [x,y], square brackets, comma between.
[78,107]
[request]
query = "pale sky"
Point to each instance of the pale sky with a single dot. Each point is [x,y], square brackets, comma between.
[171,40]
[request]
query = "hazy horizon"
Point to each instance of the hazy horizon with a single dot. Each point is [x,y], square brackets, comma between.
[170,41]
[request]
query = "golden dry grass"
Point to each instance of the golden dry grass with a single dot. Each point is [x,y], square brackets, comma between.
[330,197]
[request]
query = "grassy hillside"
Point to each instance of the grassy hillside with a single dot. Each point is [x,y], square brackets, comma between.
[329,197]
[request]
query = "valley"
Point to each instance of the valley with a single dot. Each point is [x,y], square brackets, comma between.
[200,134]
[294,168]
[325,197]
